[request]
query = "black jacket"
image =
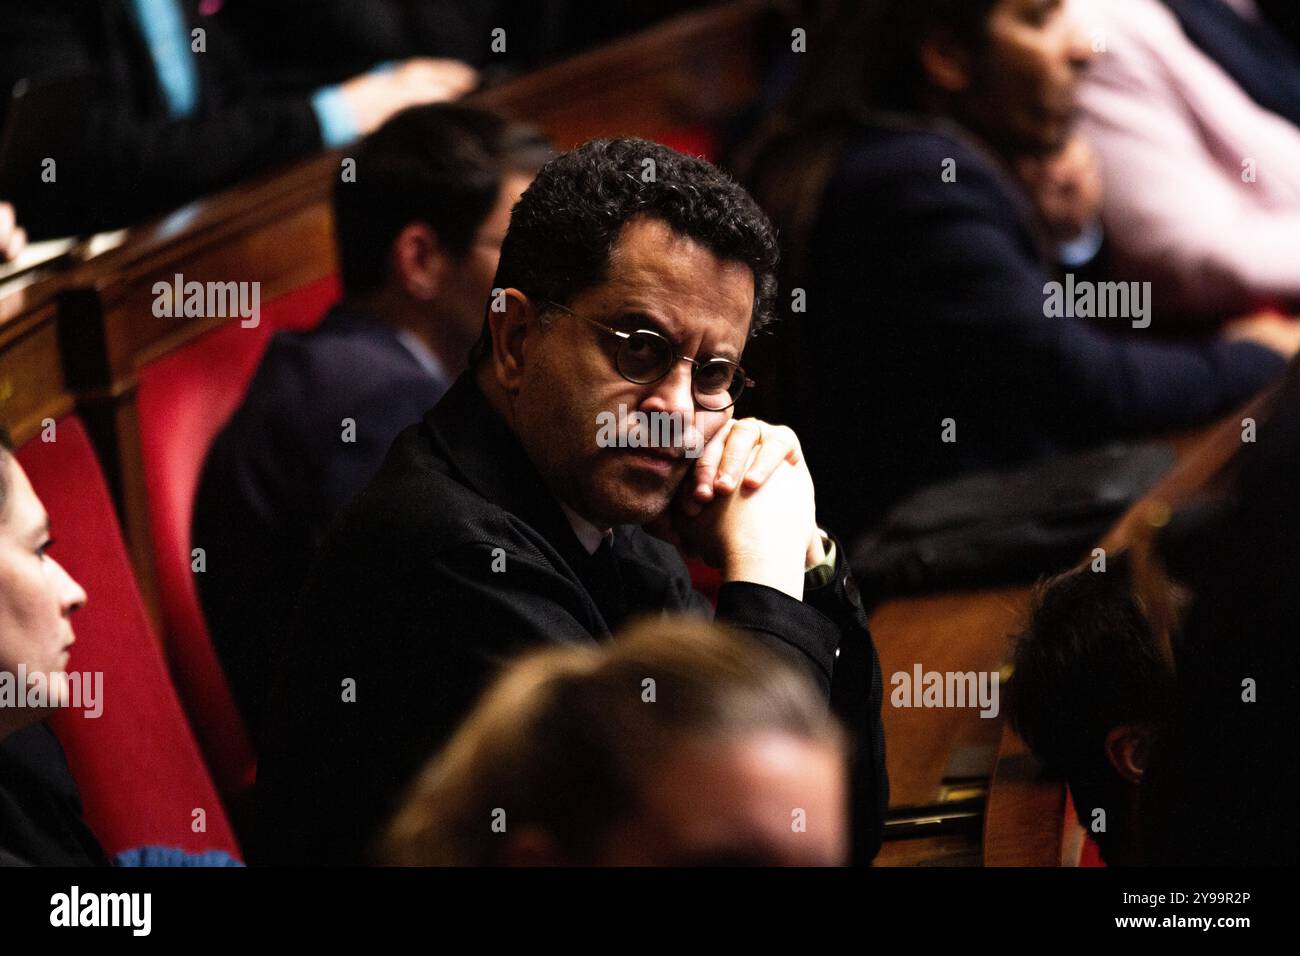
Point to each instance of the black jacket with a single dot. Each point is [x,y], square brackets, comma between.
[94,105]
[324,41]
[297,42]
[279,473]
[1284,15]
[403,601]
[40,807]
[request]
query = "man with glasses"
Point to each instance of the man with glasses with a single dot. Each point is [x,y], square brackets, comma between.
[630,280]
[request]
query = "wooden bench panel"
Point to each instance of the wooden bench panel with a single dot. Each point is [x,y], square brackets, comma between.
[33,386]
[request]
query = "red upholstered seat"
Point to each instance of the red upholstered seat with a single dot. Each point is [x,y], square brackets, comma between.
[699,141]
[1091,855]
[137,764]
[185,398]
[1090,852]
[706,580]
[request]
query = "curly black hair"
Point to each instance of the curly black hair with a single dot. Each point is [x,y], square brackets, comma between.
[565,226]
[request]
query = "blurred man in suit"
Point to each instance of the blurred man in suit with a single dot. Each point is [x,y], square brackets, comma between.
[143,105]
[419,232]
[515,515]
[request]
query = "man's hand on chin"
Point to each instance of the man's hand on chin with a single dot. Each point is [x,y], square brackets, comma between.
[748,508]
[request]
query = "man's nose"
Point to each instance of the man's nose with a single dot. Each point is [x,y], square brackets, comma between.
[674,392]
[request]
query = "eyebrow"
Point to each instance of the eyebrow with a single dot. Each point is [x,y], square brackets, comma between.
[635,317]
[41,529]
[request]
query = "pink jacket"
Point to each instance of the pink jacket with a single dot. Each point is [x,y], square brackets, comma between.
[1202,191]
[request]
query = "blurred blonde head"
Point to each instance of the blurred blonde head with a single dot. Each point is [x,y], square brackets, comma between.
[678,742]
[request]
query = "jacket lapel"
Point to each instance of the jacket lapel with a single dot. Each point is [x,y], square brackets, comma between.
[487,457]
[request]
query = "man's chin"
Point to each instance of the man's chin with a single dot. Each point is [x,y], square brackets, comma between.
[634,502]
[639,512]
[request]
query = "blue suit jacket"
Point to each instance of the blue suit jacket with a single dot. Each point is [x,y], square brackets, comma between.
[282,468]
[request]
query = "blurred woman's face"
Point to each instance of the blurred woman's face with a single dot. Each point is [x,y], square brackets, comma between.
[37,597]
[1020,89]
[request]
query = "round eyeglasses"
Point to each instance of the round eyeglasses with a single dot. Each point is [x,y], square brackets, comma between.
[644,357]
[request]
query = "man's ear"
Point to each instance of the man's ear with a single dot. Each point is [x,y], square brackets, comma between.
[945,62]
[419,261]
[1128,748]
[510,326]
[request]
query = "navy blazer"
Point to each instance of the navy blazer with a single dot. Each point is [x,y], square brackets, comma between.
[925,302]
[281,470]
[405,601]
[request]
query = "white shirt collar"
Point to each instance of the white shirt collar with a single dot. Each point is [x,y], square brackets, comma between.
[590,536]
[422,354]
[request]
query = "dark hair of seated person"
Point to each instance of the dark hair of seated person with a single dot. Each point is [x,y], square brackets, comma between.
[440,164]
[1091,694]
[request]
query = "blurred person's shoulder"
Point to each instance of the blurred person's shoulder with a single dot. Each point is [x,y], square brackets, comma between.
[450,482]
[346,354]
[915,163]
[349,366]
